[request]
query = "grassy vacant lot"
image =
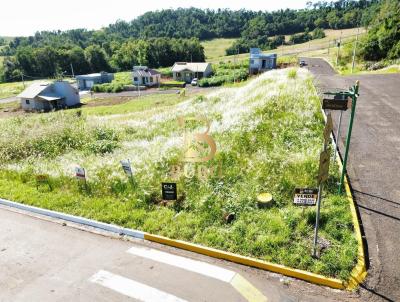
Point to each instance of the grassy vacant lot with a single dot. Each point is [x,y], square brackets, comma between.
[216,47]
[11,89]
[268,135]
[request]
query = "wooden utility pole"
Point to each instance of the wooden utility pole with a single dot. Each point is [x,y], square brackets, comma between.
[338,51]
[72,71]
[354,52]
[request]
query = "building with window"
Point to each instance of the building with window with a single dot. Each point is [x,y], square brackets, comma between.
[49,96]
[260,62]
[144,76]
[87,81]
[186,72]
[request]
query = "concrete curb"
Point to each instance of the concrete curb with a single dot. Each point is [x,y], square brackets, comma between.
[359,272]
[281,269]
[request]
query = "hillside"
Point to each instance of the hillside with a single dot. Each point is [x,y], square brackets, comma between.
[268,136]
[157,39]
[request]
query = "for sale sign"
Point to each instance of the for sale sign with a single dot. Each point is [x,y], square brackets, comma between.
[80,173]
[169,191]
[305,197]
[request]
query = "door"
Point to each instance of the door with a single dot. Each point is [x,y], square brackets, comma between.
[263,65]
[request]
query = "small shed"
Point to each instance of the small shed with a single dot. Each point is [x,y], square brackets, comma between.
[186,72]
[49,96]
[260,62]
[142,75]
[87,81]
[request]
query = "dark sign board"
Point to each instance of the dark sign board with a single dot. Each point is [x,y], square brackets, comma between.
[169,191]
[335,104]
[305,197]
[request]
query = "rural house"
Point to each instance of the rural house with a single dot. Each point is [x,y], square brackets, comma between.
[142,75]
[49,96]
[186,72]
[87,81]
[260,62]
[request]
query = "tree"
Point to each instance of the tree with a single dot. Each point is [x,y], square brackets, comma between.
[97,59]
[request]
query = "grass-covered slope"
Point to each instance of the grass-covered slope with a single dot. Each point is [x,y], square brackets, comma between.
[268,135]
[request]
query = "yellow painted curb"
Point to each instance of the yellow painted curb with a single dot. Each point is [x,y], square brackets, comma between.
[359,272]
[277,268]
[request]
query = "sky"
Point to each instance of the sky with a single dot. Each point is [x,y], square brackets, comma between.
[25,17]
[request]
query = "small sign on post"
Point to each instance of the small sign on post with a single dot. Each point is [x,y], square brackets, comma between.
[126,166]
[169,191]
[80,173]
[333,104]
[43,179]
[305,197]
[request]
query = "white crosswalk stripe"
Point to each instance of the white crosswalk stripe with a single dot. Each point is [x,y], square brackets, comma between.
[202,268]
[131,288]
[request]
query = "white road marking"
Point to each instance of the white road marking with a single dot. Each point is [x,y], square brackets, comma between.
[202,268]
[132,288]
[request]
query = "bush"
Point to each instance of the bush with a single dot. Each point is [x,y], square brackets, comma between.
[318,33]
[108,87]
[225,73]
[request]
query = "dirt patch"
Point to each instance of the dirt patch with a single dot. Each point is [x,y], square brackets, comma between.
[108,101]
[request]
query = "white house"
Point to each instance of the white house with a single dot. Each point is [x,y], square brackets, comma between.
[186,72]
[260,62]
[144,76]
[87,81]
[49,96]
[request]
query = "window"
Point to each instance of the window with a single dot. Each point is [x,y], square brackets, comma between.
[151,79]
[27,102]
[135,79]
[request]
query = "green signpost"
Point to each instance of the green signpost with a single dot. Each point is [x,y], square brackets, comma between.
[353,94]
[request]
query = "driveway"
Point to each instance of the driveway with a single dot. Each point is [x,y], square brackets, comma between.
[374,170]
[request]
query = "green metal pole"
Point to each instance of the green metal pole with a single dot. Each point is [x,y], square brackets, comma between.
[346,154]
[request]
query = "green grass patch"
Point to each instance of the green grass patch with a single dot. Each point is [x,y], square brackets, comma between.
[216,47]
[11,89]
[269,134]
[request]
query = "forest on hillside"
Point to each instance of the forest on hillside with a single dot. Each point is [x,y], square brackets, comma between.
[160,38]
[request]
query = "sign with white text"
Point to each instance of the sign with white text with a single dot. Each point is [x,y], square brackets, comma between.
[169,191]
[305,197]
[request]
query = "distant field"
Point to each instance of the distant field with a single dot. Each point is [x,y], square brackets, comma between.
[216,48]
[317,46]
[11,89]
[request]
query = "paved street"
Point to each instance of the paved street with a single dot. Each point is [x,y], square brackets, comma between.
[374,170]
[48,260]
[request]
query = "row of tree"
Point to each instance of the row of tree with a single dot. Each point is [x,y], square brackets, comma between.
[160,38]
[48,61]
[383,38]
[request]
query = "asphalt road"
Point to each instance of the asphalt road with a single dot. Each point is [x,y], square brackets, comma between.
[43,259]
[374,170]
